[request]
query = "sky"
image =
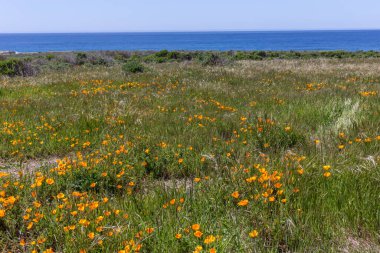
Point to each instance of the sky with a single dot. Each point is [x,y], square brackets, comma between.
[44,16]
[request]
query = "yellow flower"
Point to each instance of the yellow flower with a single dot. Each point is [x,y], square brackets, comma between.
[243,202]
[235,194]
[253,234]
[209,239]
[2,213]
[3,174]
[180,160]
[60,195]
[99,219]
[198,249]
[326,167]
[30,225]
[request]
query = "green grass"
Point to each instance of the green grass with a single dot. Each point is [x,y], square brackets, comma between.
[195,133]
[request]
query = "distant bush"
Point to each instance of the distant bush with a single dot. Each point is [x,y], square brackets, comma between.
[210,59]
[100,59]
[133,66]
[16,67]
[162,53]
[81,58]
[50,57]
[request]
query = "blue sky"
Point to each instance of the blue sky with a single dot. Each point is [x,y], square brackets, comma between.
[181,15]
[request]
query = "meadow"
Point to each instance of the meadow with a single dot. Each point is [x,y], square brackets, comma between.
[268,155]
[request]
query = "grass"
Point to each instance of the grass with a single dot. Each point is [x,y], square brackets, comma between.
[244,156]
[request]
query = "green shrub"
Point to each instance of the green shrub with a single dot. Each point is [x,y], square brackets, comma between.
[173,55]
[15,67]
[81,58]
[50,57]
[162,53]
[210,59]
[133,67]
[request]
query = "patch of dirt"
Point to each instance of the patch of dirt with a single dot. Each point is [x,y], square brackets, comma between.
[359,245]
[28,166]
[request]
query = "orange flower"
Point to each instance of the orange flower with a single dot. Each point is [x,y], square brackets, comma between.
[60,195]
[91,235]
[243,202]
[327,174]
[196,227]
[2,213]
[253,233]
[50,181]
[149,230]
[235,194]
[198,234]
[178,236]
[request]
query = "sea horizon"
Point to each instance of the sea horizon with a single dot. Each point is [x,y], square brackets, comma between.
[200,31]
[280,40]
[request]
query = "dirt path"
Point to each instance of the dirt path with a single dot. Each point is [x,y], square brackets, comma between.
[28,166]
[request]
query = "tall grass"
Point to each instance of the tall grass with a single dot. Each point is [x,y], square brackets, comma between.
[269,156]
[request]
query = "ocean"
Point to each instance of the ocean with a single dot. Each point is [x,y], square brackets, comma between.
[285,40]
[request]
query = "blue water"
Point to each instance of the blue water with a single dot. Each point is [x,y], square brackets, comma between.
[289,40]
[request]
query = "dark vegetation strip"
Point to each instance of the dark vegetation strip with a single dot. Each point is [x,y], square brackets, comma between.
[32,64]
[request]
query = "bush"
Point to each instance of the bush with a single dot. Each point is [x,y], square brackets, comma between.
[133,67]
[50,57]
[81,58]
[99,59]
[15,67]
[210,59]
[162,53]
